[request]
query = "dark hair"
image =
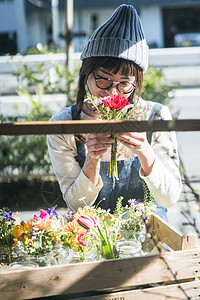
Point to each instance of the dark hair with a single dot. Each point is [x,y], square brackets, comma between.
[113,64]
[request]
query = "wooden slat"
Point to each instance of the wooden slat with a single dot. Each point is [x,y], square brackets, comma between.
[182,291]
[169,235]
[83,277]
[73,127]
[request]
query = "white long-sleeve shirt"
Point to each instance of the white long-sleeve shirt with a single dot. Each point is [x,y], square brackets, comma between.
[164,182]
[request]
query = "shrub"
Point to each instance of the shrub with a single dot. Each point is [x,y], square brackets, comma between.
[154,87]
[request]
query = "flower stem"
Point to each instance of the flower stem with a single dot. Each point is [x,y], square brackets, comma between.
[113,159]
[106,243]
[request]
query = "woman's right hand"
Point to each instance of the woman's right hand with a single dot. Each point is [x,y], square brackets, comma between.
[97,144]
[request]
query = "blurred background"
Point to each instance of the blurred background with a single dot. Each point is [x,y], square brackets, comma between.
[25,23]
[40,46]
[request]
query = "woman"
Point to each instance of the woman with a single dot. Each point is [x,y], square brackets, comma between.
[114,60]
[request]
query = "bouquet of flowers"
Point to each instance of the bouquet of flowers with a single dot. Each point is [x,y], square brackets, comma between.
[89,231]
[135,218]
[37,236]
[116,107]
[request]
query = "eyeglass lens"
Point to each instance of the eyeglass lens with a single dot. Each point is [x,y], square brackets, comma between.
[124,87]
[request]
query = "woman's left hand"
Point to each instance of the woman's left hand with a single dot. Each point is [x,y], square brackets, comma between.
[137,142]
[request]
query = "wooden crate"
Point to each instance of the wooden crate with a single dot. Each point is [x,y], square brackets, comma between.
[169,275]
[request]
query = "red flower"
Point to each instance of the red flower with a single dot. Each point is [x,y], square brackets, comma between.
[116,102]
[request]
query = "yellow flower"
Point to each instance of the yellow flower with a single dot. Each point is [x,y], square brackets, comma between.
[27,240]
[20,232]
[17,231]
[26,228]
[73,242]
[15,242]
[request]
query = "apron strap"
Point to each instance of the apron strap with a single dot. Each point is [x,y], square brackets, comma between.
[80,158]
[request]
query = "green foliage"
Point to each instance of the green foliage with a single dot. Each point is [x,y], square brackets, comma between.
[54,79]
[22,193]
[154,87]
[40,49]
[147,194]
[26,154]
[6,236]
[119,207]
[44,50]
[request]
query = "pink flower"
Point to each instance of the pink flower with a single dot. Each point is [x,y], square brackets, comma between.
[81,240]
[44,214]
[87,222]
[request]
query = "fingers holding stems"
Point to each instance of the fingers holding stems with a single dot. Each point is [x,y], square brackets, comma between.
[97,144]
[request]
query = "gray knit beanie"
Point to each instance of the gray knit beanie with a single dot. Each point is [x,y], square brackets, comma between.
[120,36]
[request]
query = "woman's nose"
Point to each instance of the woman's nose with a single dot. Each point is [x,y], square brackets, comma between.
[113,90]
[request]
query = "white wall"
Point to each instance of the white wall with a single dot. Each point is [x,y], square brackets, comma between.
[151,17]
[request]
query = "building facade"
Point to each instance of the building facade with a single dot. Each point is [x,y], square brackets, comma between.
[25,23]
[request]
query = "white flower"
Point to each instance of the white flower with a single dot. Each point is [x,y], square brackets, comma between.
[36,245]
[82,198]
[138,213]
[141,206]
[55,224]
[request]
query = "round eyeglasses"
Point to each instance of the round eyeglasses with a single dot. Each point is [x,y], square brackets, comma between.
[124,87]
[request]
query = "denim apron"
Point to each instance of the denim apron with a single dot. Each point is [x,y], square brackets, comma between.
[129,185]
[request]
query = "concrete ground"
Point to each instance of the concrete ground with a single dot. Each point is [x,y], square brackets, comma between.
[185,215]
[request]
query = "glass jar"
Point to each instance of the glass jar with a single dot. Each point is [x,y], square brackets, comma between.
[23,265]
[76,257]
[42,260]
[129,248]
[10,255]
[61,255]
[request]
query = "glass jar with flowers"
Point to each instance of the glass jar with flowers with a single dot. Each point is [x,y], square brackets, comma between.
[133,220]
[36,238]
[8,253]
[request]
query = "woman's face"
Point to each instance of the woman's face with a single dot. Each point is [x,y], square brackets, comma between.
[124,85]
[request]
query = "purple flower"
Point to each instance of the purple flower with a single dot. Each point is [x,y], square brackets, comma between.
[98,101]
[52,211]
[133,203]
[8,216]
[71,215]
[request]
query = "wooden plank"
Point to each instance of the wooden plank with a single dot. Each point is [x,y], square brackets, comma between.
[97,126]
[181,291]
[103,275]
[171,236]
